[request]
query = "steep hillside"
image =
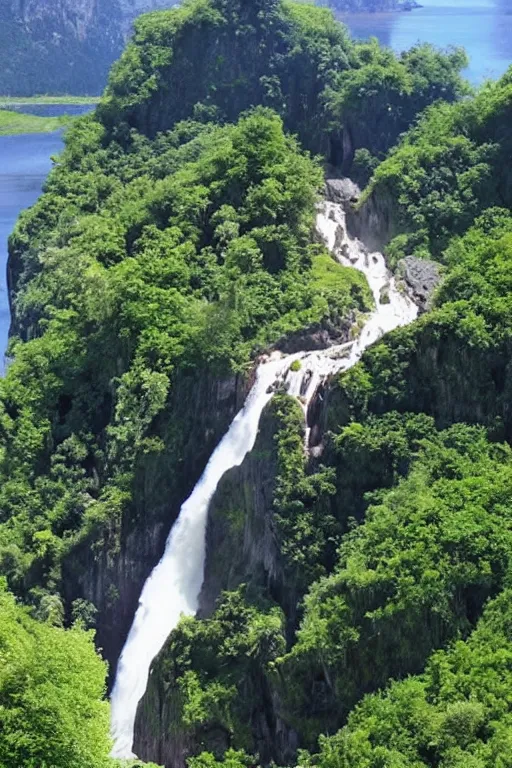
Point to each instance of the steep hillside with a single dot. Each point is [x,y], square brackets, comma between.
[63,46]
[344,100]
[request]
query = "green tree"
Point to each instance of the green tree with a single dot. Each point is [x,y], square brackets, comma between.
[52,684]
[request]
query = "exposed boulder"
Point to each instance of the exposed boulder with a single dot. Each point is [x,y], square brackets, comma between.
[318,336]
[421,277]
[342,191]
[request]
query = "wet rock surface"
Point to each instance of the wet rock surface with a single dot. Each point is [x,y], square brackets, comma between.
[318,336]
[421,277]
[342,191]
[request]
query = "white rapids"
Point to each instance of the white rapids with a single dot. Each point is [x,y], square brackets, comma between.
[173,587]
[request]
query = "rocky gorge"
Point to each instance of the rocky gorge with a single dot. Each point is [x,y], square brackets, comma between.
[241,538]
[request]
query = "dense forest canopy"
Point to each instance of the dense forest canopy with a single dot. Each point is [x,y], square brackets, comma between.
[174,243]
[337,95]
[51,686]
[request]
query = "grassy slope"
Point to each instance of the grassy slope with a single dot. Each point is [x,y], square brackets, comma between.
[17,122]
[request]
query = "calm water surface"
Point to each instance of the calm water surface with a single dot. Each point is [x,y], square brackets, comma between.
[482,27]
[25,161]
[51,110]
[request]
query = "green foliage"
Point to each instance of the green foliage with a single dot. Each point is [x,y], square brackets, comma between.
[375,454]
[292,57]
[305,525]
[453,363]
[378,98]
[153,255]
[216,668]
[457,714]
[449,168]
[17,122]
[188,252]
[174,243]
[51,691]
[231,759]
[415,574]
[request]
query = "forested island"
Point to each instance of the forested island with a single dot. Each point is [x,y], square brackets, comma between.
[355,610]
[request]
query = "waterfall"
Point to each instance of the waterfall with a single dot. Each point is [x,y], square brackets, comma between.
[173,588]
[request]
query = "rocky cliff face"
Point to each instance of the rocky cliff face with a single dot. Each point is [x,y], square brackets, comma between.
[242,548]
[426,369]
[63,46]
[112,576]
[437,378]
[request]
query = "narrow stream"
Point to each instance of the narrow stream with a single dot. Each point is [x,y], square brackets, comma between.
[173,588]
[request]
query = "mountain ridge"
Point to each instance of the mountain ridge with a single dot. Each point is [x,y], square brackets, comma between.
[64,46]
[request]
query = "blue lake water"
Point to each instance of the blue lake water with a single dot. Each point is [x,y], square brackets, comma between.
[25,161]
[24,165]
[51,110]
[482,27]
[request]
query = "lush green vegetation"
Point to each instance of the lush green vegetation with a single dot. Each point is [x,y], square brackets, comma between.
[447,170]
[187,252]
[214,671]
[52,683]
[17,122]
[412,577]
[415,574]
[173,244]
[456,714]
[337,95]
[419,516]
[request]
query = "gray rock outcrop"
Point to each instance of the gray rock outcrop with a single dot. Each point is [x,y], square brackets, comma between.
[342,190]
[421,277]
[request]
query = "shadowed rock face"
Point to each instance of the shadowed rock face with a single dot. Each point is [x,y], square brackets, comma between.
[242,547]
[63,46]
[421,277]
[200,410]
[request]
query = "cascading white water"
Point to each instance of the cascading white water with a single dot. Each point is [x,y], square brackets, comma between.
[391,310]
[174,585]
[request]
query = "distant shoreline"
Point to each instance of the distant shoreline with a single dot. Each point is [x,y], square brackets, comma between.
[384,6]
[28,100]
